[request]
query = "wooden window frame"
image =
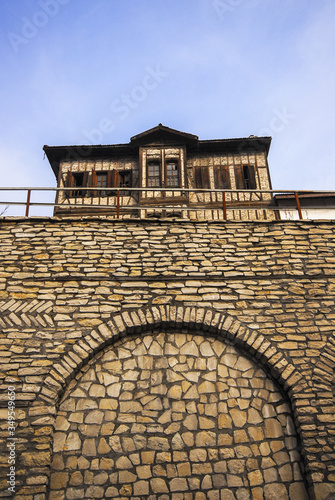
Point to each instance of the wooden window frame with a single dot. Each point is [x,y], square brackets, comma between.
[161,157]
[156,163]
[245,176]
[113,181]
[121,174]
[172,161]
[71,182]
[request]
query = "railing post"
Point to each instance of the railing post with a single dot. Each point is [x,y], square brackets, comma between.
[118,204]
[28,202]
[298,205]
[224,206]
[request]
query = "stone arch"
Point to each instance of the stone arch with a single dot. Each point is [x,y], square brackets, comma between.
[212,468]
[192,319]
[207,321]
[323,378]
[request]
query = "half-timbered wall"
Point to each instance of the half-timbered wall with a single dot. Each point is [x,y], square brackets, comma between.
[208,171]
[232,164]
[86,201]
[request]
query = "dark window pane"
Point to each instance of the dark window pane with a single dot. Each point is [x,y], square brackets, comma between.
[101,180]
[245,177]
[77,181]
[249,176]
[125,181]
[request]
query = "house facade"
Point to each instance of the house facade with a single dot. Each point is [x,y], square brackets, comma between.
[187,177]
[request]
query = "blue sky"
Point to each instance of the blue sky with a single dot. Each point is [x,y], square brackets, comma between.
[101,71]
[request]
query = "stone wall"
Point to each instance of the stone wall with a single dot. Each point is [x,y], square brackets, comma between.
[178,413]
[139,350]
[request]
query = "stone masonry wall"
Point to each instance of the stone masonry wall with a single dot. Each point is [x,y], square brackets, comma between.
[178,413]
[78,295]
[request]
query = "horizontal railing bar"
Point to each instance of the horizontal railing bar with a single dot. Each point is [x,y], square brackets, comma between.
[177,208]
[163,207]
[180,200]
[141,207]
[178,189]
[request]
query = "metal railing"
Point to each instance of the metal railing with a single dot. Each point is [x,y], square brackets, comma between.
[224,200]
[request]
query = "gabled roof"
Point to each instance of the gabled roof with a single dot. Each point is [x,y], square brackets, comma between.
[164,135]
[159,135]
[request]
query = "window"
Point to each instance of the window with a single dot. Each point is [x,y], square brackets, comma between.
[101,178]
[125,181]
[76,180]
[163,173]
[245,177]
[172,174]
[201,176]
[154,175]
[221,177]
[111,179]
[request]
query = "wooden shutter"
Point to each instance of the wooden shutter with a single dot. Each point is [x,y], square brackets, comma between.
[69,183]
[116,179]
[197,177]
[201,175]
[85,183]
[251,177]
[94,182]
[113,180]
[110,178]
[221,177]
[239,179]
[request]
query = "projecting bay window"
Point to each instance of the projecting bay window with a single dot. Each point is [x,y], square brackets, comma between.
[167,175]
[245,177]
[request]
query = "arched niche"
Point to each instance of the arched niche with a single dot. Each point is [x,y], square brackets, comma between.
[175,415]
